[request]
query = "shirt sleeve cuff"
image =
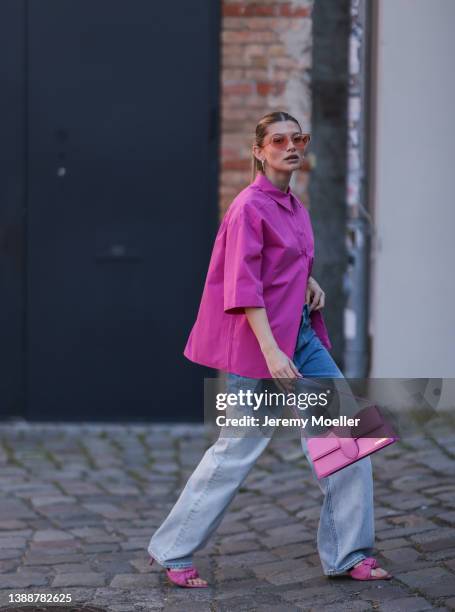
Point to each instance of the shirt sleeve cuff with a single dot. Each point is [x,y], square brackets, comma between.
[238,306]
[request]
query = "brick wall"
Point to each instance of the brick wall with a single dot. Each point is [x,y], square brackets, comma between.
[265,64]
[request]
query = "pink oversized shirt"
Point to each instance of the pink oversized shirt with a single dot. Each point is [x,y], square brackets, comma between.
[262,256]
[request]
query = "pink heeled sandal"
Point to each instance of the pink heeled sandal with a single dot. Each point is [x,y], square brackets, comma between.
[363,571]
[181,577]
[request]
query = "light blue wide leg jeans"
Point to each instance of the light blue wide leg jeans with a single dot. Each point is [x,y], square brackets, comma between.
[346,527]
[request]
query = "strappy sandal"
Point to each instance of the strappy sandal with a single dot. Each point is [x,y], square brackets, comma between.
[363,571]
[181,577]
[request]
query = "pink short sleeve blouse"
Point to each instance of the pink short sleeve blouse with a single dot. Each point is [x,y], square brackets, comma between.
[262,256]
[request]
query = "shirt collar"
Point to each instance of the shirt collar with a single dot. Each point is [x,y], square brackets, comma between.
[265,185]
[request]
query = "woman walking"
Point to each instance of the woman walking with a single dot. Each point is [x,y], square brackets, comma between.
[260,318]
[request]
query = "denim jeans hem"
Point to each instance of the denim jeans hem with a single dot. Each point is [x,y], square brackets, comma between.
[176,565]
[170,564]
[346,566]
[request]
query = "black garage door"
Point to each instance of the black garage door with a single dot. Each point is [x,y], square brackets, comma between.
[109,205]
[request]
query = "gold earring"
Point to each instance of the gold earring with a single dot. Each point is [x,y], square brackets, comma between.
[263,161]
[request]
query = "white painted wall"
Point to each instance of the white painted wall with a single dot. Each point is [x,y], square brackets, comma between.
[413,268]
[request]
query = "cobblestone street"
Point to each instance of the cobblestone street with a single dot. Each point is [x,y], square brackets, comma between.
[79,504]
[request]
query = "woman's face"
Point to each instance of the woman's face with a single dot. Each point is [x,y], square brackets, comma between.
[275,158]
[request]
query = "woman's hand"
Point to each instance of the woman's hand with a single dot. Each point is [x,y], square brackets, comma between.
[315,294]
[281,367]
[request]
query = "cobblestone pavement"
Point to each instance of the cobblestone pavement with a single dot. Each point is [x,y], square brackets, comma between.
[80,502]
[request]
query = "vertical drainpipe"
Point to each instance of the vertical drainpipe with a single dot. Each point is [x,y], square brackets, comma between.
[358,231]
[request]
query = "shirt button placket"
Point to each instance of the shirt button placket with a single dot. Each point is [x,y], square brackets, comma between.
[301,241]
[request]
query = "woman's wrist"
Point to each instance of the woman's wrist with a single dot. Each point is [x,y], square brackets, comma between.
[268,347]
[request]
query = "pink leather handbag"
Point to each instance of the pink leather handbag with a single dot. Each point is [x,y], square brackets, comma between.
[334,451]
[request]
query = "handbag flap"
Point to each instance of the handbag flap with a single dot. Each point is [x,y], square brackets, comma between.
[370,420]
[322,445]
